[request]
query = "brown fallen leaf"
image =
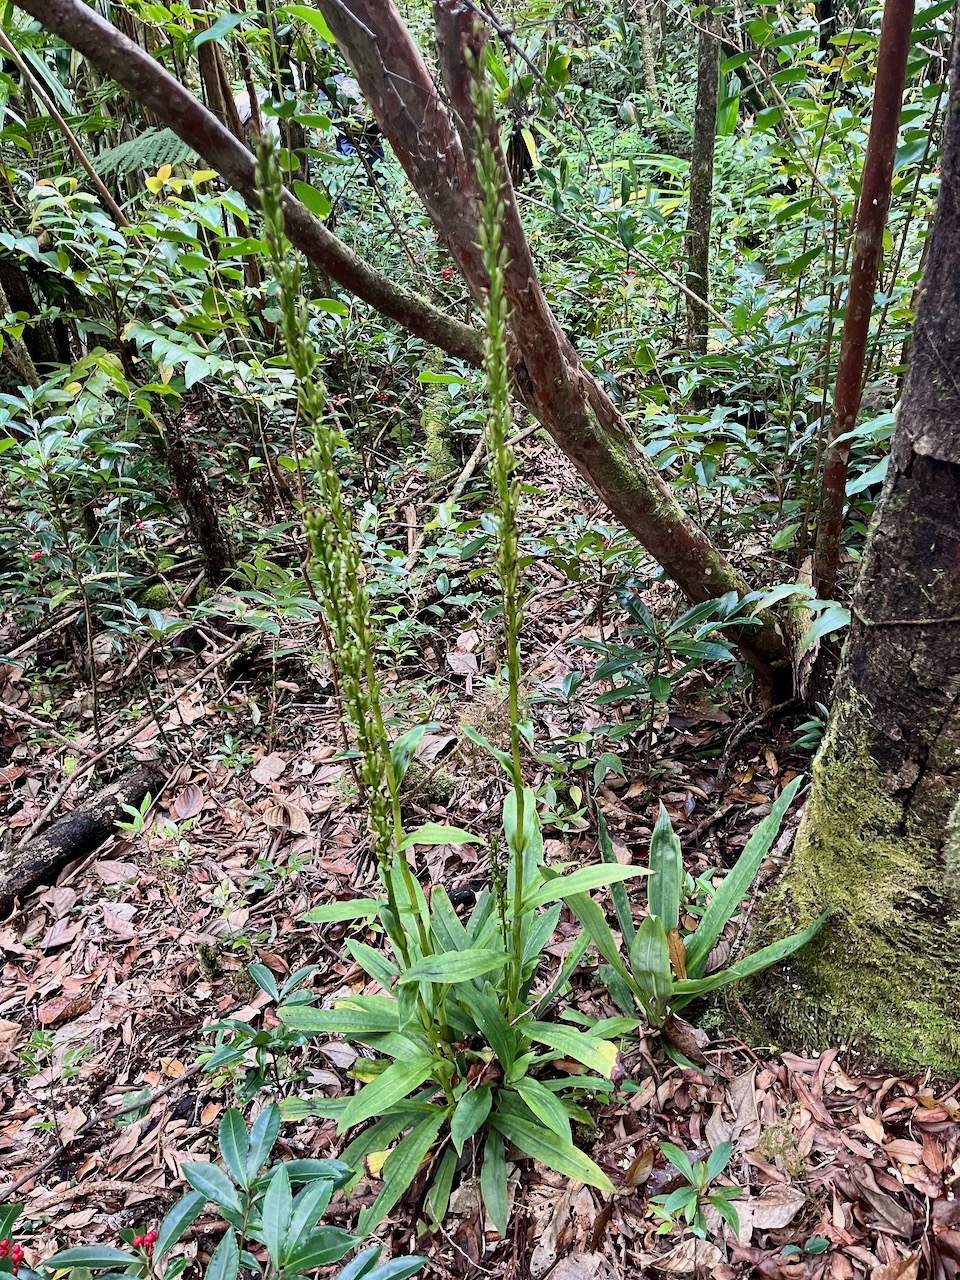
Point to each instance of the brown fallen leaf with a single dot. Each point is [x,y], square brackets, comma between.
[111,871]
[777,1207]
[60,933]
[188,803]
[62,1008]
[900,1269]
[287,816]
[689,1257]
[268,769]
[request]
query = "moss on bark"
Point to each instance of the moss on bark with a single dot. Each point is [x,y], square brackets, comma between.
[882,975]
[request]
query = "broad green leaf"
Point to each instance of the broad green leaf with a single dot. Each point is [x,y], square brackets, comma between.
[718,1160]
[599,1055]
[546,1106]
[94,1257]
[379,1096]
[234,1145]
[834,618]
[436,833]
[536,1141]
[222,27]
[493,1182]
[679,1159]
[318,202]
[666,872]
[581,881]
[225,1263]
[311,17]
[335,912]
[650,964]
[275,1215]
[399,1170]
[689,989]
[455,966]
[263,1134]
[364,1267]
[176,1220]
[324,1246]
[214,1184]
[736,884]
[470,1114]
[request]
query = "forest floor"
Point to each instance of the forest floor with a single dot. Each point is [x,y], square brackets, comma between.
[110,977]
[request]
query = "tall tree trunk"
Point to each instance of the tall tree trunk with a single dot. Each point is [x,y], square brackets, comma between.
[642,18]
[880,839]
[868,247]
[700,210]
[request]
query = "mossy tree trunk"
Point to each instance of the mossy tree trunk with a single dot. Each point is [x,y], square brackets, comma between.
[880,839]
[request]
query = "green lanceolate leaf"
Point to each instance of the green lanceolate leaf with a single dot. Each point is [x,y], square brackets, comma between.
[599,1055]
[493,1182]
[401,753]
[666,872]
[393,1084]
[438,1197]
[92,1257]
[470,1115]
[342,1021]
[400,1169]
[176,1220]
[374,963]
[275,1215]
[650,964]
[225,1263]
[736,884]
[335,912]
[595,924]
[214,1184]
[536,1141]
[618,893]
[546,1106]
[580,881]
[234,1145]
[263,1134]
[689,989]
[436,833]
[494,1027]
[455,966]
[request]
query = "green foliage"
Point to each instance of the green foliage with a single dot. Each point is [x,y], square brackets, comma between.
[460,994]
[663,969]
[687,1203]
[279,1209]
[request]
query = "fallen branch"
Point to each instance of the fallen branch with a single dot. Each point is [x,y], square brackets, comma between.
[76,834]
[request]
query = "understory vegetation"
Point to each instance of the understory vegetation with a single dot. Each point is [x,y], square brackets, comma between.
[444,823]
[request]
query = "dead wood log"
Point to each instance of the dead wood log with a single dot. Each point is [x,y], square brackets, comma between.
[75,834]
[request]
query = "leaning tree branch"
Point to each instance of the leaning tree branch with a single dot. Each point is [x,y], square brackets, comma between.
[549,376]
[153,87]
[434,143]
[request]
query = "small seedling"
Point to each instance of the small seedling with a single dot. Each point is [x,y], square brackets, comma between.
[687,1203]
